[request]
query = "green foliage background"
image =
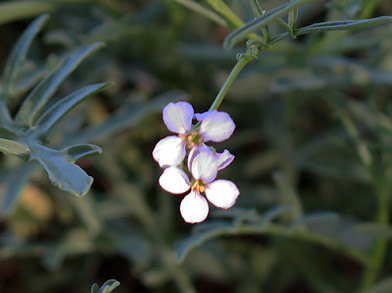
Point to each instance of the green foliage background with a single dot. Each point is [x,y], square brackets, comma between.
[312,145]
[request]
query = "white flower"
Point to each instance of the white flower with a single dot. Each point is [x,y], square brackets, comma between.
[222,159]
[194,207]
[215,126]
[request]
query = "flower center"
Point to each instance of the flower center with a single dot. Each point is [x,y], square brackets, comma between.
[191,138]
[199,186]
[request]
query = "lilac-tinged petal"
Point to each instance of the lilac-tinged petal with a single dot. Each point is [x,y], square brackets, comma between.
[204,167]
[222,193]
[174,180]
[200,116]
[169,151]
[178,117]
[197,149]
[224,159]
[216,126]
[194,208]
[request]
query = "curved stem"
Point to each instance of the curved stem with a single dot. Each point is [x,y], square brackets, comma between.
[243,59]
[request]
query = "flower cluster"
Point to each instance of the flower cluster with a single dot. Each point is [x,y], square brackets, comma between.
[202,162]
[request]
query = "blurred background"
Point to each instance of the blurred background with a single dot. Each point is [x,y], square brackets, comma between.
[294,157]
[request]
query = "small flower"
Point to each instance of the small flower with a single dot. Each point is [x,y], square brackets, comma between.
[194,207]
[222,159]
[215,126]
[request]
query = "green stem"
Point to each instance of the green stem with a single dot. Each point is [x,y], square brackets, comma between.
[243,59]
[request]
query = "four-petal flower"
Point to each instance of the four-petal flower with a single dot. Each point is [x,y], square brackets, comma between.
[194,207]
[214,126]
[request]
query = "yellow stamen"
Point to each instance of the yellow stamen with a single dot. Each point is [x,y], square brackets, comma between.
[198,186]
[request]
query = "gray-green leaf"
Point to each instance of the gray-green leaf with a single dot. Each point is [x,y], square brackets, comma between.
[51,116]
[41,94]
[18,55]
[12,147]
[62,173]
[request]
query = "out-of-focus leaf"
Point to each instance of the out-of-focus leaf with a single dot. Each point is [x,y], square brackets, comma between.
[17,10]
[63,174]
[274,213]
[80,151]
[196,7]
[14,148]
[214,230]
[75,241]
[18,55]
[14,182]
[51,116]
[26,80]
[41,94]
[108,287]
[325,228]
[383,286]
[127,117]
[289,195]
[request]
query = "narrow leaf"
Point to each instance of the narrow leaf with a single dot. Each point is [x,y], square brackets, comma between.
[80,151]
[63,174]
[345,25]
[50,117]
[18,55]
[12,147]
[40,95]
[241,33]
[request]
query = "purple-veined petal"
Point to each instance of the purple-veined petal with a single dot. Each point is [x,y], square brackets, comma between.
[174,180]
[169,151]
[224,159]
[178,117]
[222,193]
[197,149]
[216,126]
[194,208]
[204,167]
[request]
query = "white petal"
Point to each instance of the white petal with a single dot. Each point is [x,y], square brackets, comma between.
[194,208]
[204,167]
[174,180]
[222,193]
[224,159]
[169,151]
[217,126]
[197,149]
[178,117]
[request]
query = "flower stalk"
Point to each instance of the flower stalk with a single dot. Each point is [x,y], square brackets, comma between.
[242,59]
